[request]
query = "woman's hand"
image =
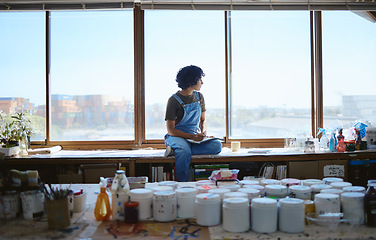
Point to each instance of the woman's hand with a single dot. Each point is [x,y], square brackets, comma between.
[198,136]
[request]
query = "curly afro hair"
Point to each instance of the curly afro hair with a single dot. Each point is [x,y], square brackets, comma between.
[189,76]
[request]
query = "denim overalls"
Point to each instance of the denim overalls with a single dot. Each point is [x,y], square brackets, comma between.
[183,149]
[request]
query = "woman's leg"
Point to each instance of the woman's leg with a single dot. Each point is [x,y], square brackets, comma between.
[182,157]
[209,147]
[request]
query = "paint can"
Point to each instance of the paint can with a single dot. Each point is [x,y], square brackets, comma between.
[329,180]
[164,206]
[248,182]
[290,182]
[327,203]
[251,192]
[208,209]
[32,204]
[360,189]
[340,185]
[145,199]
[220,191]
[9,205]
[265,182]
[300,191]
[236,214]
[79,202]
[277,191]
[162,188]
[186,202]
[310,182]
[258,187]
[235,195]
[316,188]
[332,190]
[353,207]
[232,187]
[291,215]
[204,188]
[264,215]
[172,184]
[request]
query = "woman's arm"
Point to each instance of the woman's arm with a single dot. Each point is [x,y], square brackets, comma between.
[177,133]
[203,125]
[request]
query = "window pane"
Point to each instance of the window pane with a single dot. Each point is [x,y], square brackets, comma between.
[92,75]
[271,74]
[349,50]
[22,67]
[175,39]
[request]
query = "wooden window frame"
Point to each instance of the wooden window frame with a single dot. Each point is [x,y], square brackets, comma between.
[140,140]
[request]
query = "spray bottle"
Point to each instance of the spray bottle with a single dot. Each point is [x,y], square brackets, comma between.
[333,142]
[102,211]
[324,140]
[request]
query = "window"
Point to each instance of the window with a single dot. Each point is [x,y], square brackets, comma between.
[349,50]
[175,39]
[22,67]
[270,74]
[92,75]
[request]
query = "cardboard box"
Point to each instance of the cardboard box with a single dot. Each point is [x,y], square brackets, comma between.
[93,172]
[333,168]
[303,169]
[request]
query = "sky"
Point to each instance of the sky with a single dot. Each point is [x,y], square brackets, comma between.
[93,55]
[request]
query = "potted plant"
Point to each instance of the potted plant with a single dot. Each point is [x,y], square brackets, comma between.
[13,129]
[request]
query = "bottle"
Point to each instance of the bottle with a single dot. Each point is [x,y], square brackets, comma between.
[358,139]
[332,142]
[370,204]
[102,211]
[120,194]
[324,140]
[341,146]
[23,145]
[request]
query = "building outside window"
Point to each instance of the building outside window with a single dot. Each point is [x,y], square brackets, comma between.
[92,94]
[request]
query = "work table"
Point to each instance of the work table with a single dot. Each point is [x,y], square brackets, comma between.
[84,226]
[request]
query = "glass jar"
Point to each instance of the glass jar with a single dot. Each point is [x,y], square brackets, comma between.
[131,212]
[370,204]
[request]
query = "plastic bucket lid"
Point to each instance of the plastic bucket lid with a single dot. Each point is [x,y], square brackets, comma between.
[236,202]
[141,193]
[291,202]
[264,202]
[207,197]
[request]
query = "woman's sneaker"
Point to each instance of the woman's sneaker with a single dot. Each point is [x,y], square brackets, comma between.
[169,152]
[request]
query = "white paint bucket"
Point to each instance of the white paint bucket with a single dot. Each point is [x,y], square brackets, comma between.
[278,191]
[353,207]
[291,215]
[340,185]
[79,202]
[300,191]
[264,215]
[32,204]
[145,199]
[9,205]
[327,203]
[186,202]
[164,206]
[236,214]
[208,209]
